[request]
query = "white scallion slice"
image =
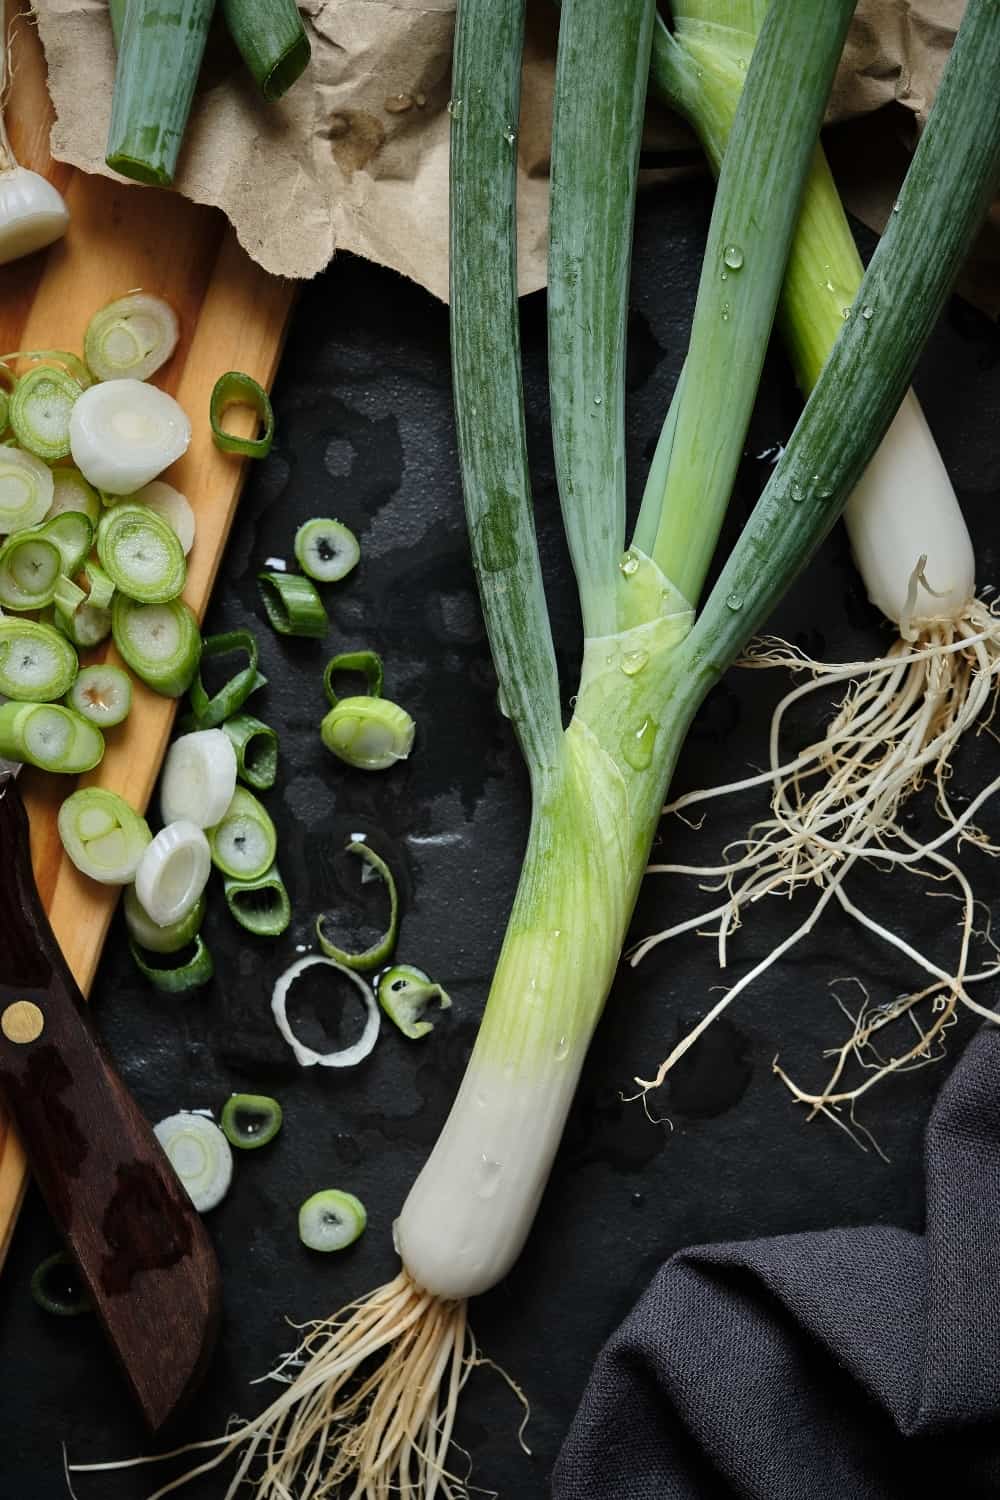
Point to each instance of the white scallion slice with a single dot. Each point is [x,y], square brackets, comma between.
[26,489]
[40,410]
[30,568]
[102,694]
[404,993]
[132,336]
[326,550]
[72,531]
[70,491]
[331,1220]
[37,664]
[171,506]
[154,938]
[199,778]
[244,841]
[200,1155]
[103,836]
[141,554]
[370,734]
[160,642]
[49,736]
[124,433]
[173,872]
[346,1057]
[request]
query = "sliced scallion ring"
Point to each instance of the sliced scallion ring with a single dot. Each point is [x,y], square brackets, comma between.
[73,533]
[293,606]
[404,993]
[367,662]
[133,335]
[37,664]
[102,694]
[262,905]
[146,933]
[331,1220]
[70,491]
[103,836]
[199,1153]
[40,410]
[208,712]
[124,433]
[26,489]
[379,952]
[192,975]
[68,596]
[346,1057]
[243,843]
[30,568]
[173,872]
[160,642]
[256,747]
[141,554]
[370,734]
[199,778]
[50,737]
[71,363]
[236,389]
[85,625]
[58,1287]
[326,550]
[171,506]
[101,587]
[250,1121]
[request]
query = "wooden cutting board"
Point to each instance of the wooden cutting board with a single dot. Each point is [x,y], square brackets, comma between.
[232,317]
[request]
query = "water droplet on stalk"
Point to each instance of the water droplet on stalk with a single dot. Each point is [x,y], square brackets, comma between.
[897,206]
[562,1049]
[629,563]
[510,135]
[798,494]
[638,743]
[725,312]
[490,1172]
[598,400]
[845,313]
[454,107]
[634,661]
[868,312]
[734,602]
[733,256]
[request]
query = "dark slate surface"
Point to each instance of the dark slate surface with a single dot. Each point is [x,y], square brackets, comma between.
[365,432]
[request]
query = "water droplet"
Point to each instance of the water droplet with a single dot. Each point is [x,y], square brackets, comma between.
[725,312]
[562,1049]
[490,1172]
[629,563]
[557,932]
[573,701]
[638,744]
[868,312]
[634,661]
[398,104]
[638,1200]
[897,206]
[725,275]
[734,602]
[829,285]
[510,135]
[454,107]
[502,703]
[798,494]
[845,313]
[598,400]
[733,256]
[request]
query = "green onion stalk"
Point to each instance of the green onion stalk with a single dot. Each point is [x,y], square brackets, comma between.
[650,654]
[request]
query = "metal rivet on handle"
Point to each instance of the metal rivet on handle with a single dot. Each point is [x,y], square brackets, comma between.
[22,1022]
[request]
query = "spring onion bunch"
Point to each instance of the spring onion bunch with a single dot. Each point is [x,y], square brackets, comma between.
[839,802]
[373,1399]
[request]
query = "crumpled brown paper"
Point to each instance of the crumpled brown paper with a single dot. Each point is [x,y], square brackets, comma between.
[356,156]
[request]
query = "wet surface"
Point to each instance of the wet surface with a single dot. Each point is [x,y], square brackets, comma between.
[365,434]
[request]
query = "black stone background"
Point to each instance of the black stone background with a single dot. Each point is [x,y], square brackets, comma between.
[365,432]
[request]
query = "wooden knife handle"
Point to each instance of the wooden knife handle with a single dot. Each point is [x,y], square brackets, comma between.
[141,1247]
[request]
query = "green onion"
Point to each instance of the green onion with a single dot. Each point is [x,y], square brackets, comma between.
[102,694]
[171,506]
[37,664]
[141,554]
[272,41]
[73,533]
[250,1121]
[173,872]
[39,411]
[326,550]
[367,662]
[50,737]
[331,1220]
[67,597]
[262,905]
[236,389]
[210,713]
[293,605]
[199,1153]
[198,778]
[70,491]
[83,623]
[256,747]
[71,363]
[101,588]
[30,568]
[160,642]
[116,10]
[344,1057]
[243,844]
[192,975]
[123,433]
[159,57]
[26,489]
[404,993]
[380,950]
[132,336]
[103,836]
[58,1288]
[147,934]
[370,734]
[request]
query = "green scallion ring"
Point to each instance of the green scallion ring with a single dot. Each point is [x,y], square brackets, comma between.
[40,409]
[370,734]
[68,596]
[147,934]
[141,554]
[72,531]
[71,363]
[37,664]
[103,836]
[293,605]
[210,713]
[236,389]
[367,662]
[102,694]
[58,1287]
[85,625]
[160,642]
[331,1220]
[262,905]
[326,550]
[250,1121]
[380,951]
[102,588]
[198,970]
[49,736]
[130,337]
[243,845]
[26,489]
[256,747]
[30,568]
[404,993]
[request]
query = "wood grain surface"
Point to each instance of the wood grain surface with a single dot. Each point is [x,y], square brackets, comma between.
[232,316]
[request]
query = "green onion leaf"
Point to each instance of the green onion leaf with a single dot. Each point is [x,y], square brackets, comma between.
[146,933]
[271,40]
[404,993]
[160,642]
[210,713]
[102,694]
[50,737]
[243,845]
[379,951]
[368,662]
[370,734]
[141,554]
[326,550]
[58,1287]
[250,1121]
[262,905]
[256,747]
[293,605]
[37,664]
[159,56]
[236,389]
[192,975]
[103,836]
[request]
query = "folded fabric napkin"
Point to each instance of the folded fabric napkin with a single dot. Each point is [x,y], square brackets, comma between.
[861,1364]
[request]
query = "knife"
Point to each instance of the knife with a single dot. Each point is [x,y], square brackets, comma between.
[140,1245]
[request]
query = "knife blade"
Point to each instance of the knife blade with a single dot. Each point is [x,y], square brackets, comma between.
[140,1245]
